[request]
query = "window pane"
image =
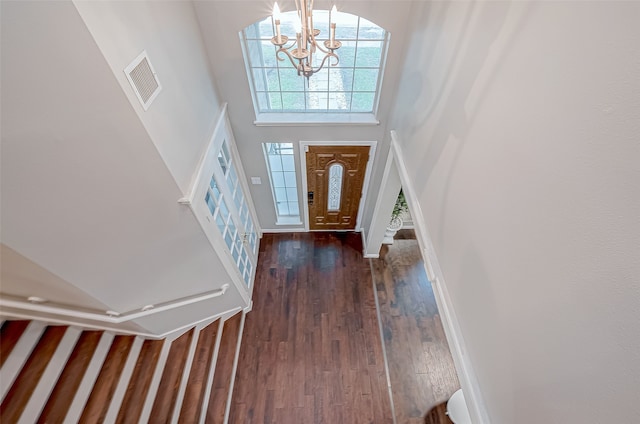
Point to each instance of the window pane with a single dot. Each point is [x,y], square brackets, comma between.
[320,80]
[293,209]
[290,79]
[370,30]
[283,209]
[292,194]
[281,194]
[228,239]
[346,25]
[209,201]
[263,101]
[244,254]
[339,101]
[288,164]
[268,51]
[214,188]
[260,79]
[347,54]
[225,151]
[293,101]
[278,179]
[220,223]
[236,255]
[252,30]
[275,162]
[232,177]
[365,80]
[317,101]
[238,197]
[275,101]
[224,210]
[369,54]
[290,179]
[362,102]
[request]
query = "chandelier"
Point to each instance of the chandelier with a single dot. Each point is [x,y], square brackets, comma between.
[302,50]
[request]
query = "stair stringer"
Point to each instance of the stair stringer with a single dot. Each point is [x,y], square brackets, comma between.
[235,368]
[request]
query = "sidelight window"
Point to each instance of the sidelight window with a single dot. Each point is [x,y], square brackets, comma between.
[282,174]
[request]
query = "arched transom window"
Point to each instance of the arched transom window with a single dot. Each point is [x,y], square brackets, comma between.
[352,86]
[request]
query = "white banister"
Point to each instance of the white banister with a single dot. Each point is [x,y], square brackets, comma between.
[109,316]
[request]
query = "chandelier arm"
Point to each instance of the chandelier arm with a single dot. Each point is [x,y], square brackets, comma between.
[319,47]
[327,56]
[291,58]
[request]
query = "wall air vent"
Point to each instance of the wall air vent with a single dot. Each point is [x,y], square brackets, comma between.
[143,79]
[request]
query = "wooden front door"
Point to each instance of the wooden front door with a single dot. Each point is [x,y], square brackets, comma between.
[335,175]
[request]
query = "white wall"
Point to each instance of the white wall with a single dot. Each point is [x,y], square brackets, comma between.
[180,121]
[22,278]
[520,124]
[85,194]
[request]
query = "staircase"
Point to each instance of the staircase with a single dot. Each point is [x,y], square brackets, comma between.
[60,374]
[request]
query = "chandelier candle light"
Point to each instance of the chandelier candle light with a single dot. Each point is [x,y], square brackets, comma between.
[301,52]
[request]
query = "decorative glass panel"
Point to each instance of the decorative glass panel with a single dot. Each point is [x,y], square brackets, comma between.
[210,204]
[223,157]
[335,186]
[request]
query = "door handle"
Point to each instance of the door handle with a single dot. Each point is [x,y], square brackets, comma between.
[310,197]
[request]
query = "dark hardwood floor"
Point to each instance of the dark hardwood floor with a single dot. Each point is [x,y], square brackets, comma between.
[421,368]
[311,349]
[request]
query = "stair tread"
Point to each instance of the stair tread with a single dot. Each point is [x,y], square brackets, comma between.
[224,370]
[65,389]
[194,396]
[98,403]
[165,400]
[139,383]
[25,383]
[9,335]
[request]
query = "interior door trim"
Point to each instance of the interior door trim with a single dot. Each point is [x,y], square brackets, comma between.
[302,194]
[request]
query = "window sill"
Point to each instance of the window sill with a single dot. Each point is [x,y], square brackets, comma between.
[306,118]
[289,220]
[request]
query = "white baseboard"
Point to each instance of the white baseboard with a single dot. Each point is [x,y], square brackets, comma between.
[283,230]
[464,368]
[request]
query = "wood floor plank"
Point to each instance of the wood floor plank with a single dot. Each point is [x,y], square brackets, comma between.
[194,396]
[223,371]
[25,383]
[311,350]
[139,382]
[97,405]
[10,333]
[165,400]
[421,367]
[65,389]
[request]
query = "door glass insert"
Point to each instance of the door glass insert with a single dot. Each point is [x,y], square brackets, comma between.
[335,187]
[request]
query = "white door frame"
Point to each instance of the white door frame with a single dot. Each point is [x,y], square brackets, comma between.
[367,175]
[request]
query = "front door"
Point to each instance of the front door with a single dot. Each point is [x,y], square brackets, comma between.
[335,175]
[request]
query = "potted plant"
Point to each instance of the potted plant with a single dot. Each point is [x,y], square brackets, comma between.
[396,218]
